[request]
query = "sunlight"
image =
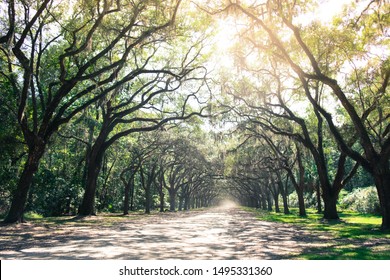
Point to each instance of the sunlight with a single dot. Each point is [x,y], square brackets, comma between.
[329,8]
[325,12]
[228,27]
[225,204]
[225,39]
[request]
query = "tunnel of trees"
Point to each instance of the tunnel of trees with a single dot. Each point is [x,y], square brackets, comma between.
[128,105]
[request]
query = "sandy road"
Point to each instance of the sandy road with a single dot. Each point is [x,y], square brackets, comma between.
[219,233]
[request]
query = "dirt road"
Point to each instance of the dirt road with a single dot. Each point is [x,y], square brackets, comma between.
[219,233]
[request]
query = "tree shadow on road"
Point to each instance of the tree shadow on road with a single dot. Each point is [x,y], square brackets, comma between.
[224,234]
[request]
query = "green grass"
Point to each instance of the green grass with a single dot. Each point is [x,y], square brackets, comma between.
[355,235]
[32,216]
[102,219]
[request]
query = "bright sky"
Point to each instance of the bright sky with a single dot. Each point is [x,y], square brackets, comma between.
[326,11]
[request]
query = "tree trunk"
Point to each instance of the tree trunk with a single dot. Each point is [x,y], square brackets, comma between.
[263,201]
[181,202]
[172,200]
[382,181]
[283,192]
[269,202]
[148,198]
[15,213]
[275,193]
[146,184]
[330,206]
[318,193]
[202,202]
[160,185]
[104,189]
[193,203]
[286,209]
[126,201]
[162,202]
[187,202]
[276,200]
[87,206]
[300,187]
[301,202]
[299,191]
[198,202]
[329,192]
[94,162]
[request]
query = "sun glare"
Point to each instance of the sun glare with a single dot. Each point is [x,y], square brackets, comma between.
[327,10]
[227,204]
[225,39]
[228,27]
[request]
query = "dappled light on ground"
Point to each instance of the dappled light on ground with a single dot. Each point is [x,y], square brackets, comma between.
[225,232]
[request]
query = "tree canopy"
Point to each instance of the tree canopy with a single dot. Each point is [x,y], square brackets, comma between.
[123,105]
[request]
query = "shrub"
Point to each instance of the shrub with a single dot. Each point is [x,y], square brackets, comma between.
[309,197]
[32,215]
[362,200]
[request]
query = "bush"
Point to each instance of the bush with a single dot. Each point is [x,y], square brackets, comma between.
[32,215]
[362,200]
[309,197]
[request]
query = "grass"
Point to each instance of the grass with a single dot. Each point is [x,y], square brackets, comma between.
[32,216]
[355,236]
[102,219]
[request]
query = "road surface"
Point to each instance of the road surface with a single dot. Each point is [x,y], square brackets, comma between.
[224,233]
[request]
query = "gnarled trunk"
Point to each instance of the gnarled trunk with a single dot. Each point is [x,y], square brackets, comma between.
[94,163]
[330,206]
[15,213]
[87,206]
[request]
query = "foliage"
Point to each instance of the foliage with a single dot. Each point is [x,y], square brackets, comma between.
[84,83]
[362,200]
[310,199]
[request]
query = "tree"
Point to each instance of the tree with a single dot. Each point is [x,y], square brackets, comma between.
[129,184]
[314,63]
[307,54]
[175,171]
[167,78]
[284,161]
[59,63]
[251,174]
[128,116]
[265,106]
